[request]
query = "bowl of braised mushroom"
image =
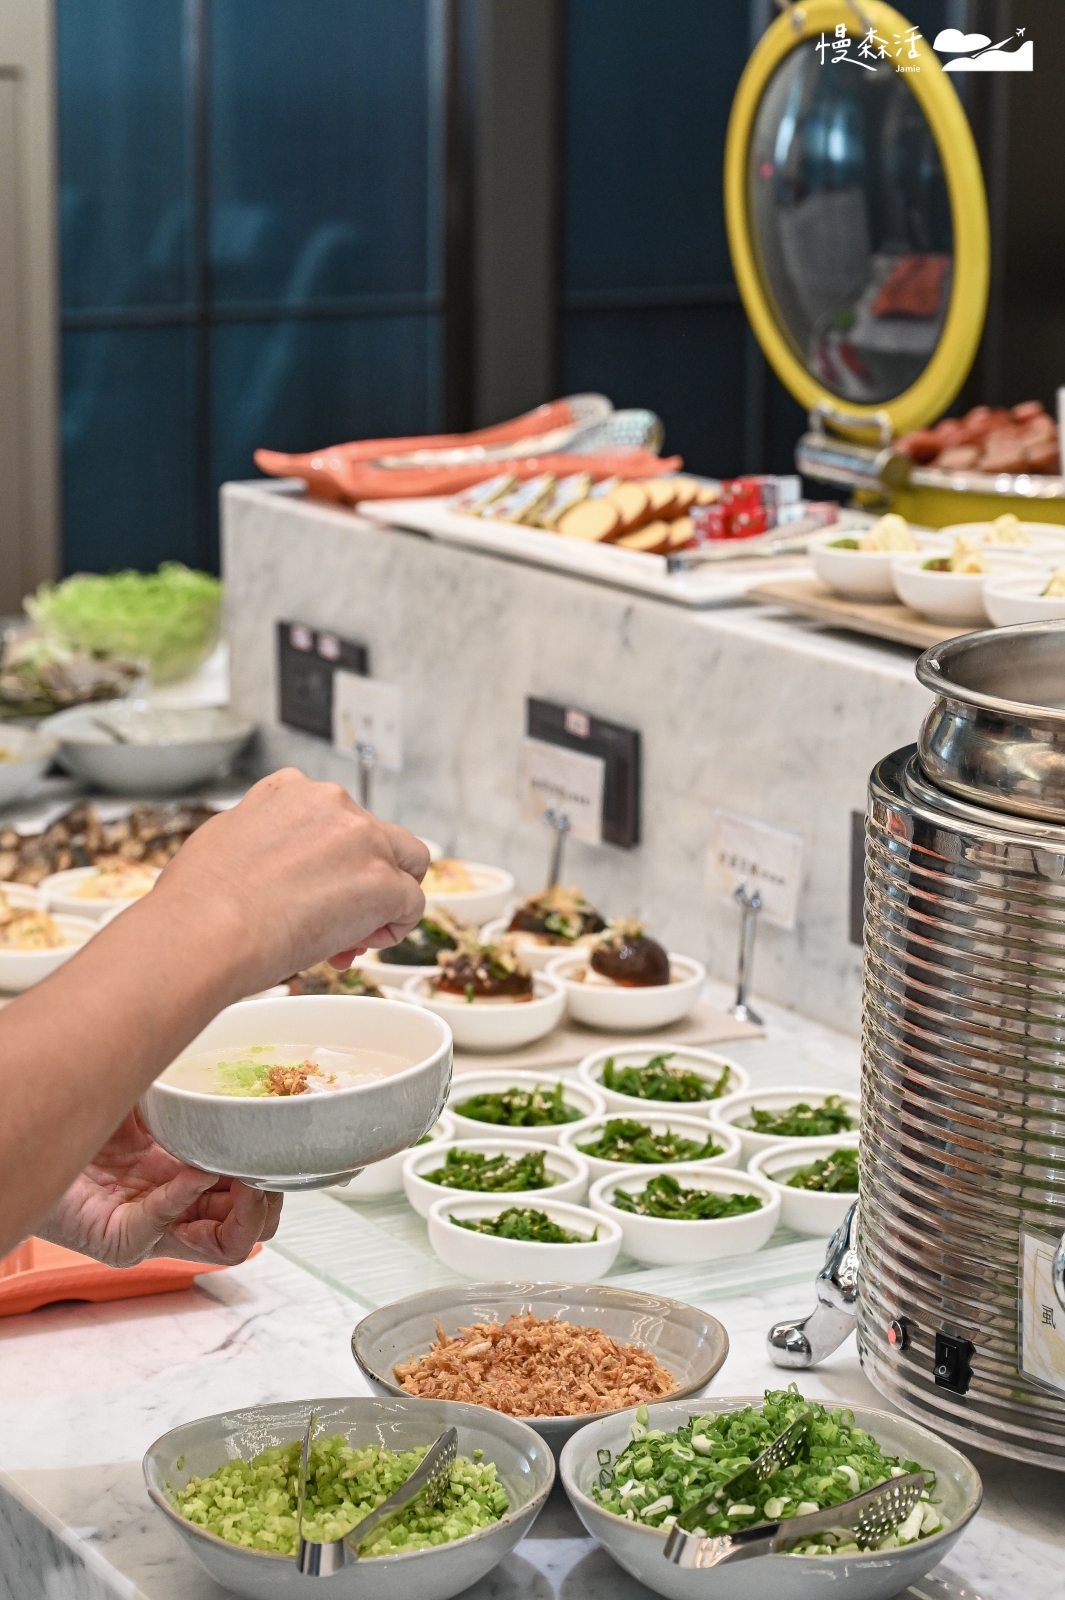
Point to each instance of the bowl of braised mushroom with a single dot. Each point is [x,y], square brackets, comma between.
[488,997]
[627,981]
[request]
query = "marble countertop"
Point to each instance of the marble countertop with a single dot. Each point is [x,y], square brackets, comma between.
[84,1389]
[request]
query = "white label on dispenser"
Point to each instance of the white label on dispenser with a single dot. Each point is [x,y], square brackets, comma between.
[368,712]
[566,782]
[1042,1313]
[759,856]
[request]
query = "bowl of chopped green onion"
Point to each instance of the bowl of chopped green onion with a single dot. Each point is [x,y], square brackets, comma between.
[227,1486]
[817,1180]
[520,1105]
[528,1239]
[628,1477]
[698,1212]
[650,1139]
[656,1075]
[521,1171]
[765,1118]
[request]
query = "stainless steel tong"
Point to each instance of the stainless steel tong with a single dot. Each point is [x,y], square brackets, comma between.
[429,1478]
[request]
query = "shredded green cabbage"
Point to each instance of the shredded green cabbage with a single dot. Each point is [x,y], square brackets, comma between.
[169,618]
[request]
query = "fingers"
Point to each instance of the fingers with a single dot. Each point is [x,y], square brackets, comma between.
[226,1228]
[410,853]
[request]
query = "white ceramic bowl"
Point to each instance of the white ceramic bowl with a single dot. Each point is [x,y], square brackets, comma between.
[568,1169]
[493,1025]
[386,1177]
[22,896]
[480,1255]
[875,1575]
[660,1120]
[660,1242]
[528,947]
[21,969]
[523,1461]
[1021,599]
[730,1112]
[951,596]
[1047,538]
[163,751]
[59,892]
[613,1007]
[860,574]
[308,1141]
[492,889]
[581,1096]
[28,752]
[707,1063]
[804,1209]
[392,974]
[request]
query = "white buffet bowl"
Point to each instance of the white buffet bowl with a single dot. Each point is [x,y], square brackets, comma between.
[660,1120]
[29,754]
[662,1242]
[492,889]
[493,1025]
[581,1096]
[629,1010]
[952,596]
[385,1177]
[528,948]
[568,1168]
[21,969]
[707,1063]
[162,751]
[1046,541]
[872,1575]
[860,574]
[392,975]
[1021,599]
[804,1209]
[59,891]
[308,1141]
[480,1255]
[729,1112]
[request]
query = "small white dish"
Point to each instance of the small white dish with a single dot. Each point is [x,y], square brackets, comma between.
[951,596]
[1045,538]
[805,1210]
[706,1063]
[613,1006]
[529,947]
[491,888]
[1021,599]
[493,1024]
[730,1113]
[579,1095]
[27,753]
[481,1255]
[60,893]
[386,1177]
[393,973]
[21,896]
[659,1120]
[153,751]
[663,1242]
[568,1169]
[860,574]
[21,969]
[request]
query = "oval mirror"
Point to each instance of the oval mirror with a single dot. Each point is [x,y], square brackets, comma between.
[856,212]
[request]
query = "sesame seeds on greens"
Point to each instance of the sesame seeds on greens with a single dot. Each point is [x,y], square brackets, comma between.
[472,1169]
[657,1080]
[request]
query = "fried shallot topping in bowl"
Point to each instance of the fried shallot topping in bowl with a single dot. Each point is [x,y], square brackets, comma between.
[483,972]
[532,1368]
[557,915]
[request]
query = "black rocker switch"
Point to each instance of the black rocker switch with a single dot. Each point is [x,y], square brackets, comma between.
[954,1363]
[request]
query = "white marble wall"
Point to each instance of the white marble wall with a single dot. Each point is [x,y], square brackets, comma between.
[737,707]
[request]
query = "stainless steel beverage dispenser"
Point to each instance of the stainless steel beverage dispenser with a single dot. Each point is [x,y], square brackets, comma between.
[954,1264]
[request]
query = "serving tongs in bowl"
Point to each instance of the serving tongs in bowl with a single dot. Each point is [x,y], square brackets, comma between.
[869,1515]
[430,1478]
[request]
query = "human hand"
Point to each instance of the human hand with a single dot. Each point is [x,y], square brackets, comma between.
[134,1200]
[294,874]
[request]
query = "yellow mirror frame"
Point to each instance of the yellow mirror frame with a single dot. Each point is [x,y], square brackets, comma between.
[933,391]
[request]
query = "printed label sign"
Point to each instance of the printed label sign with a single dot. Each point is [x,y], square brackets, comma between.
[1042,1314]
[368,712]
[566,782]
[760,856]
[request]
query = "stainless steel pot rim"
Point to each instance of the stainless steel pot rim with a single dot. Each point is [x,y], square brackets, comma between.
[933,666]
[921,791]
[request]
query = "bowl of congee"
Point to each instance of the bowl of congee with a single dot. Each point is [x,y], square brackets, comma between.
[303,1091]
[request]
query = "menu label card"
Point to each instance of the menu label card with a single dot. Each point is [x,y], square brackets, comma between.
[759,856]
[369,713]
[566,782]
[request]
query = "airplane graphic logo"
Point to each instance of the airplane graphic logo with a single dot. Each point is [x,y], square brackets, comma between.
[974,52]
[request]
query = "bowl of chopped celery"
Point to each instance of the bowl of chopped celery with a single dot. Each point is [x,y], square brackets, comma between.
[817,1180]
[520,1105]
[629,1476]
[512,1167]
[226,1484]
[522,1237]
[649,1139]
[698,1212]
[657,1075]
[765,1118]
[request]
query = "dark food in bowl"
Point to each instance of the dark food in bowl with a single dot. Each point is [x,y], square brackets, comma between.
[628,957]
[472,1169]
[657,1080]
[834,1174]
[41,676]
[150,834]
[520,1108]
[484,972]
[801,1121]
[522,1222]
[424,943]
[557,915]
[625,1140]
[663,1197]
[324,979]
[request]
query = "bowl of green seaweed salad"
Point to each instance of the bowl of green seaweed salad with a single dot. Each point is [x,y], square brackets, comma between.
[493,1166]
[817,1180]
[637,1079]
[697,1212]
[765,1118]
[629,1476]
[650,1139]
[227,1486]
[522,1239]
[520,1105]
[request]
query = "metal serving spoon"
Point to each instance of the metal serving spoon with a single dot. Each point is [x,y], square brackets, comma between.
[430,1477]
